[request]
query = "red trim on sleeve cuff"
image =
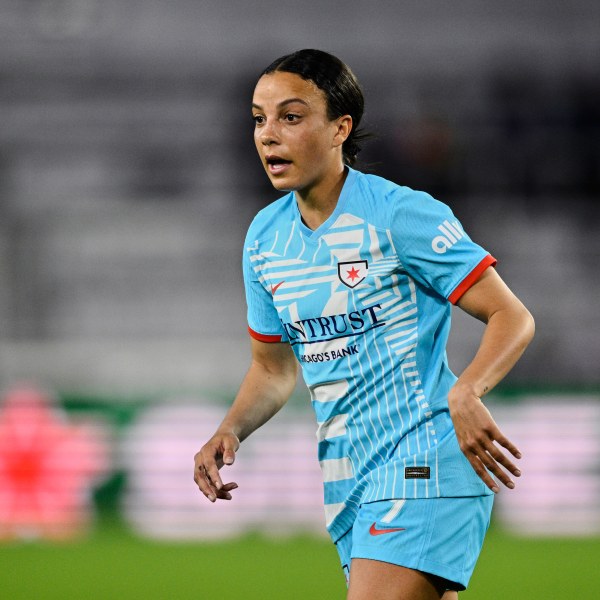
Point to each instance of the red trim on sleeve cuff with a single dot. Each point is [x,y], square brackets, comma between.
[261,337]
[471,278]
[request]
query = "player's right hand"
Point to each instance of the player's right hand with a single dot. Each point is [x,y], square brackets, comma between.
[479,439]
[218,451]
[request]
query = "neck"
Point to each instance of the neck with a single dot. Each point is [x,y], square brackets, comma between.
[318,203]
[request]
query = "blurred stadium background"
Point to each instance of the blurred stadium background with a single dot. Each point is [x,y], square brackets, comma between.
[127,180]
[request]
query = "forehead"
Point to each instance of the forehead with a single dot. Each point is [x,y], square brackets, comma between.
[279,87]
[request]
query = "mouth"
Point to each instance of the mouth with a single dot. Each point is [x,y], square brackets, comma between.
[277,165]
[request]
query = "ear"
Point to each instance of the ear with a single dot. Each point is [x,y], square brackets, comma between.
[343,128]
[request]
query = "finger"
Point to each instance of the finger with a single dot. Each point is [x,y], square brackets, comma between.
[229,450]
[229,456]
[211,469]
[212,472]
[481,470]
[501,458]
[492,458]
[492,466]
[224,492]
[229,486]
[204,484]
[506,443]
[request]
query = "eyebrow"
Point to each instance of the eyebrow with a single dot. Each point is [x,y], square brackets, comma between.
[283,103]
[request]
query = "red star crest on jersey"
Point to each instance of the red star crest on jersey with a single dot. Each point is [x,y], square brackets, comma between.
[47,468]
[353,272]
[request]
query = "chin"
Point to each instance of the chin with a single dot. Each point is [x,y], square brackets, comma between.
[282,185]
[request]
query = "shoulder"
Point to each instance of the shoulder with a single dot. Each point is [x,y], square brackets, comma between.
[397,203]
[268,220]
[416,209]
[374,188]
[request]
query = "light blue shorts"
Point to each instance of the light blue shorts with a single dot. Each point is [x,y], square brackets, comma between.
[440,536]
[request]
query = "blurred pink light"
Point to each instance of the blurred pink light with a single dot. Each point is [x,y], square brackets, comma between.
[47,468]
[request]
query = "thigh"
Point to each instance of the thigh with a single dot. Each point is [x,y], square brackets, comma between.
[377,580]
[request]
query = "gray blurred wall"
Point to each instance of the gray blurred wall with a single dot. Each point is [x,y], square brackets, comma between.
[128,175]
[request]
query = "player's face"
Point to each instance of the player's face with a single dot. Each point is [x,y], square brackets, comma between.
[298,145]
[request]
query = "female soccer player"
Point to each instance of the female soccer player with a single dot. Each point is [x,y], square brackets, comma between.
[353,277]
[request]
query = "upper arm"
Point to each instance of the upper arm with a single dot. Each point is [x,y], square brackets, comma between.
[277,358]
[488,295]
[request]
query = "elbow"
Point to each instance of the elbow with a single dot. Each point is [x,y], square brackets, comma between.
[528,327]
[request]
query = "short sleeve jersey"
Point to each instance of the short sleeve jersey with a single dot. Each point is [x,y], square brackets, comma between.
[365,303]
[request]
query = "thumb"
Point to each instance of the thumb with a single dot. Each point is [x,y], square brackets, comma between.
[228,454]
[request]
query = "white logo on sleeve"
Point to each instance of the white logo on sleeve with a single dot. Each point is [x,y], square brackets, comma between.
[451,233]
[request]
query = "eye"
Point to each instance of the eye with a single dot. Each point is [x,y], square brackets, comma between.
[291,118]
[258,119]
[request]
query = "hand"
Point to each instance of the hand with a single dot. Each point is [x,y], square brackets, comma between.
[476,432]
[218,451]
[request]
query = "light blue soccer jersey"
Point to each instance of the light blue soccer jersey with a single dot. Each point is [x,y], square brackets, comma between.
[365,302]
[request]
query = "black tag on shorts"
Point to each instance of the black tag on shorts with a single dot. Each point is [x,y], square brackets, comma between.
[417,472]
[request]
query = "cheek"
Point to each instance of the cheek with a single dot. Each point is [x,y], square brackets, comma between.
[314,146]
[256,139]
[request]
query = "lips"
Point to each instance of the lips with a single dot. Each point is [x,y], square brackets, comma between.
[276,164]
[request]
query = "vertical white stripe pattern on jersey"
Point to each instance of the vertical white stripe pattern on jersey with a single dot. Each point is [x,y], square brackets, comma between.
[336,469]
[407,401]
[376,394]
[402,325]
[387,431]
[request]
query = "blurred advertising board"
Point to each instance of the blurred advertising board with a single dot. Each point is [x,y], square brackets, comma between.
[63,461]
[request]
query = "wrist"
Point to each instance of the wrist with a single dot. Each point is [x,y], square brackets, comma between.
[461,391]
[229,429]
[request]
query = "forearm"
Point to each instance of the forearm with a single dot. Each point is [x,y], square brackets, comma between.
[264,390]
[509,329]
[507,333]
[262,394]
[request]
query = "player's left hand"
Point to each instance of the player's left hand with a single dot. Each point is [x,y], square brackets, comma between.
[479,436]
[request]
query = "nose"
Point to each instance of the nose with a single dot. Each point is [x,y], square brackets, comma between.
[269,133]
